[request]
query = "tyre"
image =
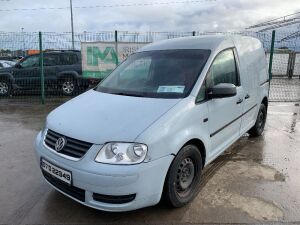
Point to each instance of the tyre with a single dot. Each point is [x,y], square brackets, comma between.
[259,125]
[183,178]
[68,86]
[5,87]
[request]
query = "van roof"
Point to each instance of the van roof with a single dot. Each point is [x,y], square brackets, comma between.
[210,42]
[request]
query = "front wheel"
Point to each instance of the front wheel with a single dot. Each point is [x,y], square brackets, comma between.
[5,87]
[259,125]
[183,178]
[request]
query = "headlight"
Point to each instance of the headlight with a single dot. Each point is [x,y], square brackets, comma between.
[122,153]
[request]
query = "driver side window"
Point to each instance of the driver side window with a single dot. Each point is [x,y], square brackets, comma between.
[222,70]
[32,61]
[51,60]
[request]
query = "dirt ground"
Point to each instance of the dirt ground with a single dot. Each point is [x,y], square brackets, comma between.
[256,180]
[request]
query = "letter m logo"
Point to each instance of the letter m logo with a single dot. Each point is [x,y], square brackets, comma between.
[94,55]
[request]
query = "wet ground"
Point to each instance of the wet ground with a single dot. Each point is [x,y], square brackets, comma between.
[256,180]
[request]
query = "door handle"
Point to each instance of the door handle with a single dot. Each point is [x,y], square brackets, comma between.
[247,96]
[239,101]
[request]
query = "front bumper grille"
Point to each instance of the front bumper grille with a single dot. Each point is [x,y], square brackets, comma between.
[75,192]
[73,147]
[118,199]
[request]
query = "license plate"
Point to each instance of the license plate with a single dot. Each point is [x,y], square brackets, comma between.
[59,173]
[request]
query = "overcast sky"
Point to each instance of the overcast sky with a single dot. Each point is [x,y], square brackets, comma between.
[219,15]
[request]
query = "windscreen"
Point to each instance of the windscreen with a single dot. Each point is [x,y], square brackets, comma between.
[156,74]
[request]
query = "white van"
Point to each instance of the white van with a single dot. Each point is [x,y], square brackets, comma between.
[151,126]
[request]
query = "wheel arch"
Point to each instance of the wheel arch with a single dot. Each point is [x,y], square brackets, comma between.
[66,74]
[166,193]
[265,101]
[7,76]
[200,145]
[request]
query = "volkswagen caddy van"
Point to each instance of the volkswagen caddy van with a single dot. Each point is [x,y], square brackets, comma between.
[151,126]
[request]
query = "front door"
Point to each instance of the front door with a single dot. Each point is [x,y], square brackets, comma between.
[27,73]
[224,113]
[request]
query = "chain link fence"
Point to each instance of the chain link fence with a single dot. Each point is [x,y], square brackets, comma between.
[63,68]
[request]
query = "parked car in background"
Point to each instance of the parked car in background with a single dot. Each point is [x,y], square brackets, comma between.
[62,71]
[155,122]
[6,63]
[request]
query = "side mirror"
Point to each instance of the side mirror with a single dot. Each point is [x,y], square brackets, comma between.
[222,90]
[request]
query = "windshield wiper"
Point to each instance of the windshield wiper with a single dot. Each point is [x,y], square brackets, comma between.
[127,94]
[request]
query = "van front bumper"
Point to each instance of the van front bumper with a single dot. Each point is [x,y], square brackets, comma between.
[104,186]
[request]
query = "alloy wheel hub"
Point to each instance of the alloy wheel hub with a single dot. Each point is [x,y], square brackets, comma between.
[68,87]
[3,88]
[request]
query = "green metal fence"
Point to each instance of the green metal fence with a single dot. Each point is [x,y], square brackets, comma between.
[33,84]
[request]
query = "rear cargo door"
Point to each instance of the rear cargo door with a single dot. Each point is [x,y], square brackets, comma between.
[248,54]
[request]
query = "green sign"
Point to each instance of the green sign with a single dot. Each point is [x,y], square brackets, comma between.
[100,58]
[94,55]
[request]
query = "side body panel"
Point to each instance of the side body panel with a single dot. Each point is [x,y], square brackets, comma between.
[27,77]
[252,65]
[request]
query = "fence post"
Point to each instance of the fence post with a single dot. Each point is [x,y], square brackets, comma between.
[194,33]
[42,68]
[116,44]
[291,65]
[84,36]
[271,55]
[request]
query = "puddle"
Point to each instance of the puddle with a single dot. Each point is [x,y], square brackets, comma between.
[256,208]
[218,193]
[253,170]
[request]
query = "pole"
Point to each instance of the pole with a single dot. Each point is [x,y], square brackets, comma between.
[72,25]
[116,44]
[271,59]
[42,69]
[84,36]
[291,65]
[271,55]
[23,37]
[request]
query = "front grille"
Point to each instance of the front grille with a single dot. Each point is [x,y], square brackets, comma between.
[73,147]
[75,192]
[119,199]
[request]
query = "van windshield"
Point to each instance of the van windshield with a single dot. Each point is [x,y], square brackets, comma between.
[157,74]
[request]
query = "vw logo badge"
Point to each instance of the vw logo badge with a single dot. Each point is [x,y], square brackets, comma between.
[60,144]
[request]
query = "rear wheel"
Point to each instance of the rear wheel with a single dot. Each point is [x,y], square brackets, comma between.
[259,125]
[68,86]
[183,178]
[5,87]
